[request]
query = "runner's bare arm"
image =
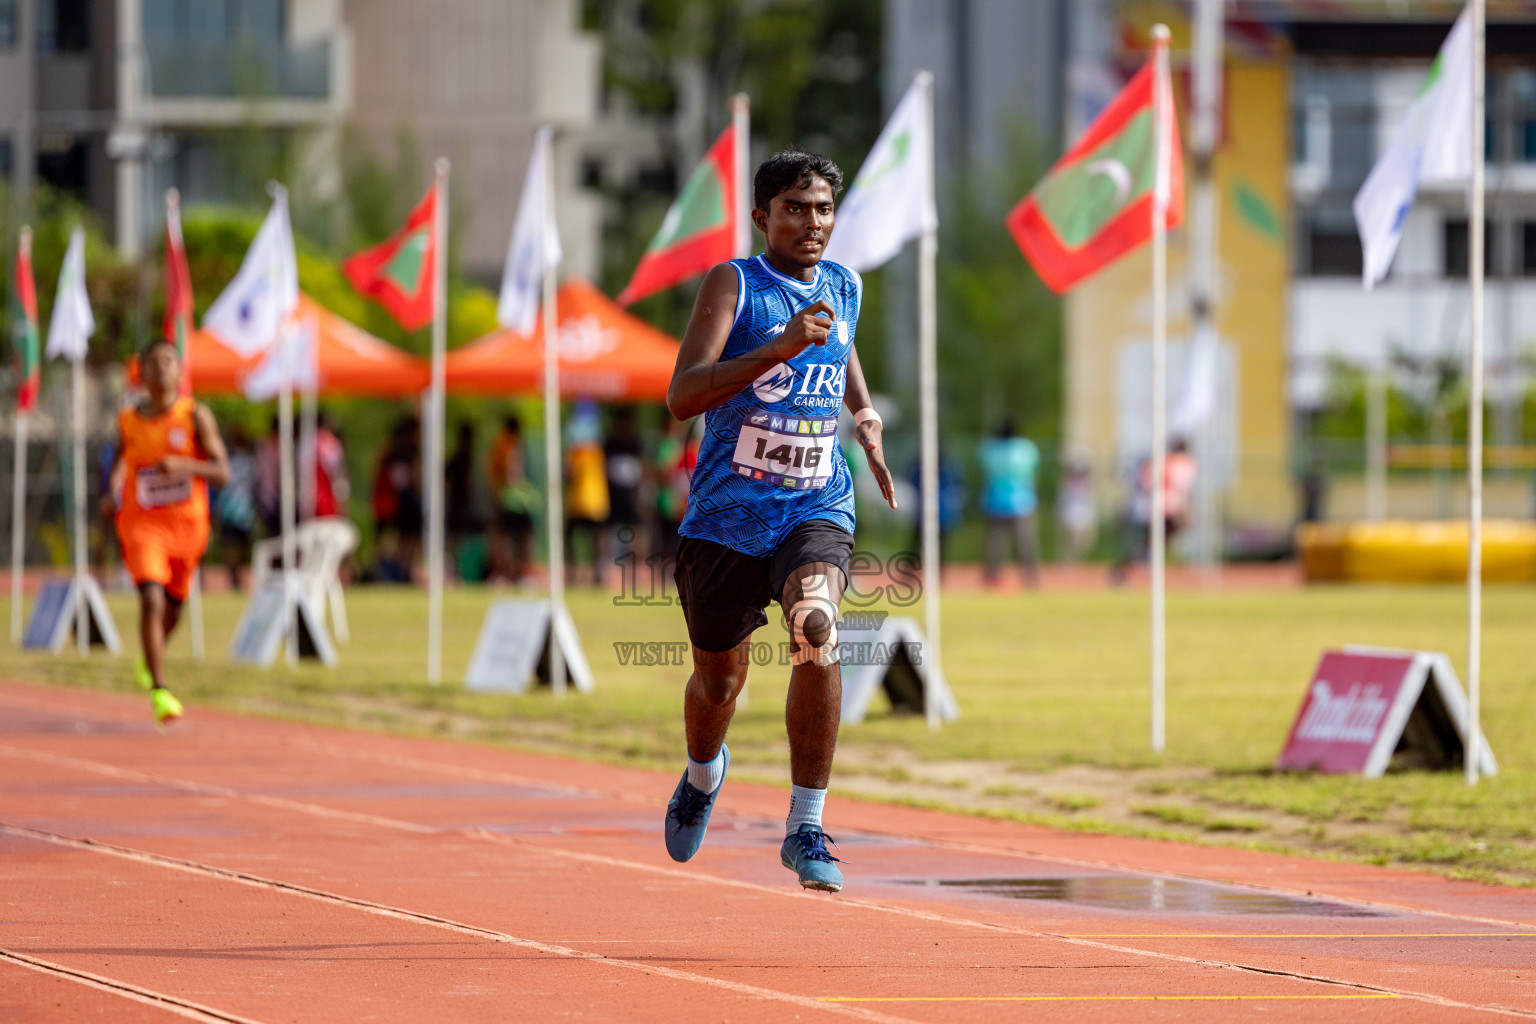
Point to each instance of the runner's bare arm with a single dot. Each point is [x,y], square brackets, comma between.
[869,433]
[700,382]
[215,466]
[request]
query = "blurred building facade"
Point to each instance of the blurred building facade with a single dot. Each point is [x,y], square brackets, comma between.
[116,100]
[1312,94]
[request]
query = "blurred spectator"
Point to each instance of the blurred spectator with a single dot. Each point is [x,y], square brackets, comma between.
[951,501]
[1077,512]
[514,500]
[462,512]
[1009,502]
[586,487]
[333,489]
[676,456]
[624,466]
[234,508]
[1179,473]
[269,480]
[397,502]
[1314,490]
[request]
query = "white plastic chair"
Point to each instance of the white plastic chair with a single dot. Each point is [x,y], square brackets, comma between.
[322,545]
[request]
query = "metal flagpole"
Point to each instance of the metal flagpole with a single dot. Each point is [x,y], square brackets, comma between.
[19,490]
[553,475]
[195,614]
[18,530]
[741,130]
[1472,744]
[928,402]
[435,431]
[286,495]
[1209,25]
[82,609]
[1376,444]
[741,125]
[1156,554]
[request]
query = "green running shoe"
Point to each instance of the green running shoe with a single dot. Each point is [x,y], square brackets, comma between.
[167,707]
[141,675]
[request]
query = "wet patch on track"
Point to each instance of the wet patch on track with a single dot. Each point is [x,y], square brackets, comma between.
[1137,893]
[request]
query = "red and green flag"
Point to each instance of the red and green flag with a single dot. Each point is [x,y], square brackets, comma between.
[178,289]
[1096,204]
[398,273]
[28,341]
[698,231]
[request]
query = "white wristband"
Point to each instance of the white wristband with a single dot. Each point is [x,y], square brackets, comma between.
[866,414]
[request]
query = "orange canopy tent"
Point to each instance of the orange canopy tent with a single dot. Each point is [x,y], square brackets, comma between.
[605,353]
[351,361]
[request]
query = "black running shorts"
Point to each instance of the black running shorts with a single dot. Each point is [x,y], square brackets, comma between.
[724,592]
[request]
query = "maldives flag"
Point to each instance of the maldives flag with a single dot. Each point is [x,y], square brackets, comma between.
[398,273]
[1096,204]
[178,289]
[28,341]
[698,231]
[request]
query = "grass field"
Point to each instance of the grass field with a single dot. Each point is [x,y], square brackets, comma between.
[1053,692]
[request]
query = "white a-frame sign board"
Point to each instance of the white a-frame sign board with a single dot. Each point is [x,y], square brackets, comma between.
[889,658]
[513,648]
[1368,709]
[263,627]
[53,616]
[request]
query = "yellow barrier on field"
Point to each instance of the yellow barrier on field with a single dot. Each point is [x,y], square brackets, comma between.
[1402,551]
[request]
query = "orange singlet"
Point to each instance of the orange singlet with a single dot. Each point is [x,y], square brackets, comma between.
[162,520]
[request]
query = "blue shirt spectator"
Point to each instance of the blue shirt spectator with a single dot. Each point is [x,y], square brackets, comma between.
[1009,465]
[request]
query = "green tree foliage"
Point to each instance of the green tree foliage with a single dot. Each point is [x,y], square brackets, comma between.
[808,66]
[999,325]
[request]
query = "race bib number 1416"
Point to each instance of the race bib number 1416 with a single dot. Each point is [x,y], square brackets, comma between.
[786,451]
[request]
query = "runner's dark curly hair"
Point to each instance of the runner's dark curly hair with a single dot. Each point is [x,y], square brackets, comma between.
[792,168]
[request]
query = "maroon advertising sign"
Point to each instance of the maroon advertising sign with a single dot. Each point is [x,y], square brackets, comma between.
[1362,700]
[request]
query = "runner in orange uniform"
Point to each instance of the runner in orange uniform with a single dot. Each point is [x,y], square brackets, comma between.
[169,448]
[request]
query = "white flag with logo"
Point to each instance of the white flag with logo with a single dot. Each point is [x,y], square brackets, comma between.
[252,310]
[535,244]
[72,324]
[891,201]
[1434,142]
[293,358]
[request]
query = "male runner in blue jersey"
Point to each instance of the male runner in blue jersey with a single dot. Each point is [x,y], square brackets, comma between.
[768,358]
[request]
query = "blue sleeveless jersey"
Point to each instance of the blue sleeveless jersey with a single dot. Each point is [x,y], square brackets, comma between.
[770,459]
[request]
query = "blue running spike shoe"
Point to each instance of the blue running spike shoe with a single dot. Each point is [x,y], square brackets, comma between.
[805,853]
[688,814]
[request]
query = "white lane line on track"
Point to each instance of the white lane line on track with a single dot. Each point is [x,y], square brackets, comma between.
[171,1004]
[509,778]
[432,920]
[780,891]
[402,761]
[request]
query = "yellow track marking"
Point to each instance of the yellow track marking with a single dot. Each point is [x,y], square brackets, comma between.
[1086,999]
[1300,935]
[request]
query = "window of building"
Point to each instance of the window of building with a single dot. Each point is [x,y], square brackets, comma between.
[64,26]
[1458,249]
[1328,244]
[63,161]
[8,22]
[168,22]
[5,159]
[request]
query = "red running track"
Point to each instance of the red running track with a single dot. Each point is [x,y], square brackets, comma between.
[237,869]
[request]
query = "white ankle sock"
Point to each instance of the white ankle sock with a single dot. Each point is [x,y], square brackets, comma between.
[707,775]
[804,808]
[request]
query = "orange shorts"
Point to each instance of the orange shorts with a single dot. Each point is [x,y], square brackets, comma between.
[154,554]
